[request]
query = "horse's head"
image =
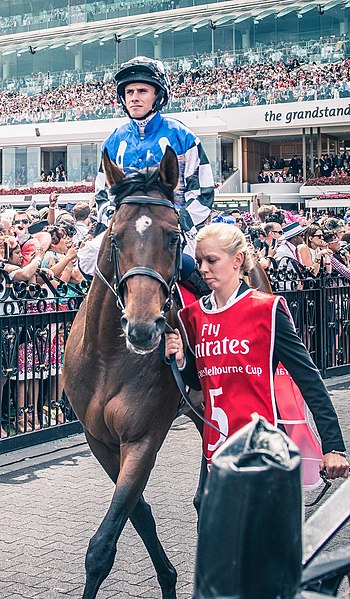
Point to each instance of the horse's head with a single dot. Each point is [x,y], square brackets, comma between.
[145,241]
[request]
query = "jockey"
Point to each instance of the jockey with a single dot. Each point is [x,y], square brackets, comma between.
[143,89]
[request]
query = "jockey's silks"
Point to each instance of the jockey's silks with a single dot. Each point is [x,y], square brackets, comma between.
[233,348]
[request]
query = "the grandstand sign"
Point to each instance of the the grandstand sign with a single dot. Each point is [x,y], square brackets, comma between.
[289,115]
[303,113]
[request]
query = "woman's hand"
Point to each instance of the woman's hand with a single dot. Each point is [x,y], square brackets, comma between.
[335,465]
[72,253]
[323,252]
[174,345]
[48,272]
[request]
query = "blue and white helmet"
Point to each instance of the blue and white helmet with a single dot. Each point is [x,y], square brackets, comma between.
[145,70]
[224,218]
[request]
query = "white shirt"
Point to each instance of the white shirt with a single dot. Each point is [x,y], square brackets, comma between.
[230,300]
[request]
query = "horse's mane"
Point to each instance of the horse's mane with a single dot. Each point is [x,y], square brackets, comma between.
[144,182]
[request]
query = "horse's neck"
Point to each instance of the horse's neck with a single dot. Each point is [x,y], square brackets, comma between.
[257,279]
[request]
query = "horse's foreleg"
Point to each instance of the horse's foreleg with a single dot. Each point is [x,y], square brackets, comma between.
[137,462]
[144,524]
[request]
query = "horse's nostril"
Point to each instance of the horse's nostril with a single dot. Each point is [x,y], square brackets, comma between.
[124,323]
[145,335]
[160,325]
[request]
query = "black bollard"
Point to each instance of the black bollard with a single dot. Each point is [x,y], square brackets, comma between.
[249,542]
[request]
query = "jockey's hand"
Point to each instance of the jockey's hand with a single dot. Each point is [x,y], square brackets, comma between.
[335,465]
[174,345]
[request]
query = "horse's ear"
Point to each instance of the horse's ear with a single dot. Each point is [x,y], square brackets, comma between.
[113,173]
[169,168]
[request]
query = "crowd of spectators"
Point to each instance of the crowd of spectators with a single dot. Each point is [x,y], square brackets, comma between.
[57,173]
[78,13]
[329,166]
[199,88]
[296,241]
[334,165]
[40,248]
[280,170]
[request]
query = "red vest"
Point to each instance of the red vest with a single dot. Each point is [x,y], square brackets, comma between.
[233,347]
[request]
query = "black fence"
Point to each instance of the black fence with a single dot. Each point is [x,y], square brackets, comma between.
[34,328]
[320,307]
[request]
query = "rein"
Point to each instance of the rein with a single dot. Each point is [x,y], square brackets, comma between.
[120,280]
[185,396]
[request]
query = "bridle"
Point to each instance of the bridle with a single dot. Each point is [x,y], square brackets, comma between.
[119,282]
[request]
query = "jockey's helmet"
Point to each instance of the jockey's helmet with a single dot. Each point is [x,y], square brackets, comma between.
[224,218]
[145,70]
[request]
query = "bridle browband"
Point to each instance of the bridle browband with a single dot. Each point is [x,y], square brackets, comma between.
[119,281]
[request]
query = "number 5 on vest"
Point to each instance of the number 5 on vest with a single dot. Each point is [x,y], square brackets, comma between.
[218,415]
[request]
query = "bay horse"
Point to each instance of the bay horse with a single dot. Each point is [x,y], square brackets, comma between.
[119,387]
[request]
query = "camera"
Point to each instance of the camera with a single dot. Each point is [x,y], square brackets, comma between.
[344,249]
[255,232]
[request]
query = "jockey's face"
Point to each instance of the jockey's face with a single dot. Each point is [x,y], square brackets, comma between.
[139,99]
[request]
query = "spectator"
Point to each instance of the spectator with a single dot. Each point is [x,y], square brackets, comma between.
[20,223]
[336,225]
[338,267]
[287,254]
[273,231]
[294,166]
[28,361]
[314,252]
[81,213]
[265,211]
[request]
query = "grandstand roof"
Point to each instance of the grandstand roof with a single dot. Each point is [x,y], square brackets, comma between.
[156,23]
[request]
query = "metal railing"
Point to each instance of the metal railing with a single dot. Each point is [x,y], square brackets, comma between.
[320,307]
[34,327]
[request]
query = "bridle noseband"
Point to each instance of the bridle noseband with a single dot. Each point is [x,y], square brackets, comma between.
[120,281]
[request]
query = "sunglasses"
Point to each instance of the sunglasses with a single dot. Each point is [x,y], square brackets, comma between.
[24,221]
[69,232]
[320,236]
[279,232]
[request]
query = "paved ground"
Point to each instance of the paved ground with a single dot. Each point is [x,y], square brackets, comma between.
[53,497]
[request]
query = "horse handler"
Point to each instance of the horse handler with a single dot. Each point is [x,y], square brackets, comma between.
[237,339]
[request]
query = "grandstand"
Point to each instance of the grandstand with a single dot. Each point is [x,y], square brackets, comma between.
[254,80]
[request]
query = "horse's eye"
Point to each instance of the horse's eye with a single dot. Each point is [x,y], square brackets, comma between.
[174,238]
